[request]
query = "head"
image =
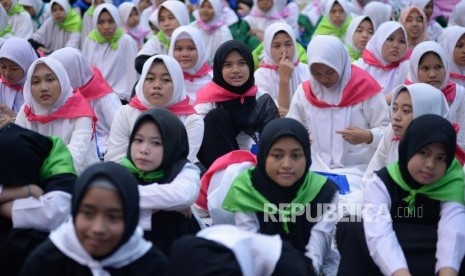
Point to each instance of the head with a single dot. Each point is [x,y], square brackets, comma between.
[76,65]
[459,52]
[58,12]
[7,4]
[158,140]
[389,43]
[188,49]
[129,14]
[206,11]
[11,71]
[31,6]
[265,5]
[16,56]
[379,12]
[336,14]
[414,21]
[107,20]
[363,32]
[143,4]
[427,149]
[105,208]
[395,46]
[45,86]
[172,14]
[428,9]
[279,42]
[233,67]
[452,40]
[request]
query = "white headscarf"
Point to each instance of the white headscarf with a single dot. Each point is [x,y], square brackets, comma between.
[189,32]
[217,9]
[66,90]
[35,4]
[269,34]
[177,8]
[273,13]
[3,18]
[76,65]
[111,9]
[378,12]
[457,17]
[330,51]
[63,3]
[175,71]
[448,39]
[330,3]
[20,51]
[417,54]
[356,21]
[125,10]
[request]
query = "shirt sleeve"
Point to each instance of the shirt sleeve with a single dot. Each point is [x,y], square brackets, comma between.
[246,221]
[81,140]
[74,40]
[194,128]
[119,137]
[376,111]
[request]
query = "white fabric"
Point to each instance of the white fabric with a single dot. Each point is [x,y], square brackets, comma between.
[329,5]
[3,18]
[425,100]
[268,79]
[124,121]
[313,10]
[65,239]
[76,133]
[349,38]
[177,195]
[381,239]
[21,52]
[448,40]
[230,17]
[192,86]
[262,22]
[257,254]
[88,23]
[105,108]
[21,23]
[378,11]
[117,66]
[391,78]
[457,17]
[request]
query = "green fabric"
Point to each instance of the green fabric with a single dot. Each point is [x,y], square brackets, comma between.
[301,54]
[354,55]
[15,9]
[163,39]
[6,30]
[148,177]
[90,11]
[306,29]
[97,37]
[72,22]
[243,197]
[58,161]
[241,32]
[325,27]
[449,188]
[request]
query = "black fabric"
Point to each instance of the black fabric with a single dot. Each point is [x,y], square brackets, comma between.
[218,62]
[125,184]
[293,262]
[47,259]
[174,138]
[299,232]
[422,131]
[278,128]
[22,153]
[36,45]
[139,62]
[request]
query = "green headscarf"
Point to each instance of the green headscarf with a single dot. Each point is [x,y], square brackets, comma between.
[72,21]
[148,177]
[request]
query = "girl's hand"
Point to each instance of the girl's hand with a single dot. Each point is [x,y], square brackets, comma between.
[282,111]
[6,115]
[285,68]
[401,272]
[36,191]
[355,135]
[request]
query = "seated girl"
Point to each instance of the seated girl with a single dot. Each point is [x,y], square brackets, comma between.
[161,85]
[280,193]
[359,32]
[51,108]
[101,237]
[263,14]
[414,21]
[335,21]
[457,17]
[130,17]
[38,9]
[433,27]
[88,18]
[452,39]
[168,182]
[18,18]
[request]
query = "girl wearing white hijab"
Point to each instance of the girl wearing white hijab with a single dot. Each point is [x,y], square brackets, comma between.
[131,19]
[150,93]
[378,12]
[91,84]
[38,9]
[359,32]
[19,19]
[343,110]
[52,109]
[259,19]
[88,19]
[212,27]
[160,43]
[383,57]
[269,77]
[434,28]
[197,73]
[5,27]
[424,99]
[452,39]
[112,51]
[61,32]
[457,17]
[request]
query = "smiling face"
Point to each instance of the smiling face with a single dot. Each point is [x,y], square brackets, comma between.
[147,147]
[429,164]
[235,69]
[324,74]
[395,46]
[431,70]
[362,34]
[45,87]
[106,25]
[185,53]
[158,85]
[402,113]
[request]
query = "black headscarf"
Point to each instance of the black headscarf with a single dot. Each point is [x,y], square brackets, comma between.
[422,131]
[22,153]
[278,128]
[174,137]
[126,185]
[218,61]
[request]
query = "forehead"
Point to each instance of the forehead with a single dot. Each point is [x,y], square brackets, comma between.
[8,62]
[320,67]
[184,42]
[286,142]
[430,57]
[281,36]
[158,67]
[104,15]
[233,55]
[42,69]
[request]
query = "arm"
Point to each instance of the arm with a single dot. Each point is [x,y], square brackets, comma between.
[74,40]
[194,127]
[297,108]
[285,69]
[376,112]
[80,140]
[381,239]
[380,158]
[25,28]
[246,221]
[118,139]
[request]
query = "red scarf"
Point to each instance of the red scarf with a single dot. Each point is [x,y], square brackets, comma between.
[273,66]
[234,157]
[203,71]
[360,87]
[213,93]
[369,58]
[181,108]
[457,76]
[17,87]
[96,87]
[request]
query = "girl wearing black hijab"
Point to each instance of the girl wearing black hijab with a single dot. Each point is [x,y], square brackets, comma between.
[235,110]
[102,236]
[36,176]
[414,214]
[281,196]
[168,182]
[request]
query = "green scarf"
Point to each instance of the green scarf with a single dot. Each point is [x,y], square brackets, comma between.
[6,30]
[58,161]
[449,188]
[72,22]
[15,9]
[243,197]
[148,177]
[327,28]
[90,11]
[97,37]
[163,39]
[353,54]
